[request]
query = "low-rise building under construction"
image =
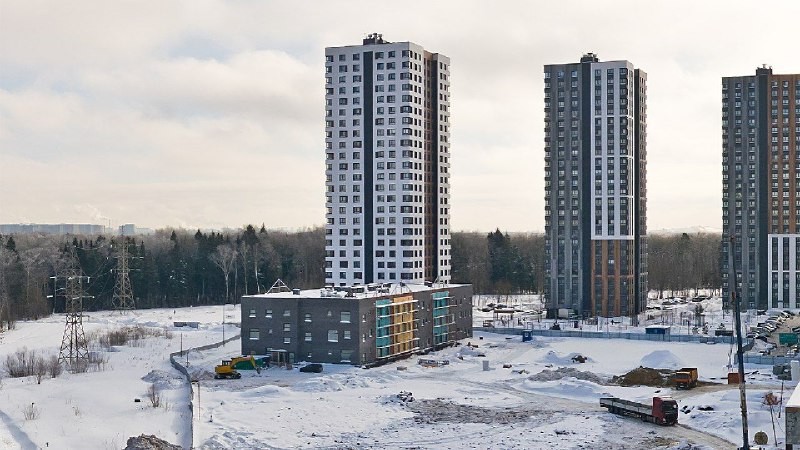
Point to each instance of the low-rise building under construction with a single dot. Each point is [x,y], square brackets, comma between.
[360,325]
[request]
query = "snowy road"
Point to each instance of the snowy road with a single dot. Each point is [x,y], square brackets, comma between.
[621,432]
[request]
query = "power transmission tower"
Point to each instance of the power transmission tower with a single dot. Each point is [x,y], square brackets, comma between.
[74,349]
[123,294]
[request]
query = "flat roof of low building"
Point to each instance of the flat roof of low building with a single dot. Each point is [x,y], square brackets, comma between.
[375,290]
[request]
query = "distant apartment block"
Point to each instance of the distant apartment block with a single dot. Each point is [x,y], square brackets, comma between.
[387,119]
[595,187]
[760,183]
[61,228]
[366,324]
[130,229]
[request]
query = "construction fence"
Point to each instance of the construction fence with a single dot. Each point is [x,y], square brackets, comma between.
[617,335]
[182,369]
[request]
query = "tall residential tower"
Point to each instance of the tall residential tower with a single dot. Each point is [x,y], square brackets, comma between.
[760,183]
[387,120]
[595,192]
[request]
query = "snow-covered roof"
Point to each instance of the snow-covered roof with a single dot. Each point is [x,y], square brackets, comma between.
[359,291]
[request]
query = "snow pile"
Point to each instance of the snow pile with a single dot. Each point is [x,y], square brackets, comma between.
[331,384]
[165,380]
[468,350]
[554,358]
[565,372]
[661,358]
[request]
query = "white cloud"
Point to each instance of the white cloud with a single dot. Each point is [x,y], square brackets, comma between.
[209,113]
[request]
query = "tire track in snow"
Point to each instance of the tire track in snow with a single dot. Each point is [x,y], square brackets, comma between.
[17,433]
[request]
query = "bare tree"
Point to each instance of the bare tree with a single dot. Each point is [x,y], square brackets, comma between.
[225,259]
[39,369]
[32,263]
[7,258]
[154,396]
[243,251]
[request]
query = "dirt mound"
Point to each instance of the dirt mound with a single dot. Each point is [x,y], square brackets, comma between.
[564,372]
[438,411]
[149,442]
[644,376]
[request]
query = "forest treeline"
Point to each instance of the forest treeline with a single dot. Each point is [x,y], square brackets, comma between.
[176,268]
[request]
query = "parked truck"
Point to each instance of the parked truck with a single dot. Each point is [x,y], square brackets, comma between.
[685,378]
[663,411]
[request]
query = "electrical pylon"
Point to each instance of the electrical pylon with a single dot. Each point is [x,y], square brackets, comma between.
[123,294]
[74,348]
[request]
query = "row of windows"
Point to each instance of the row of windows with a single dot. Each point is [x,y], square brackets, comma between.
[391,242]
[332,335]
[344,316]
[382,276]
[380,55]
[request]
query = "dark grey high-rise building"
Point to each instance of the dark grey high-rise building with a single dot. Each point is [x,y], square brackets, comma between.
[595,191]
[760,182]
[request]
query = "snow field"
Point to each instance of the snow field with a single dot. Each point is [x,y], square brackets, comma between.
[455,406]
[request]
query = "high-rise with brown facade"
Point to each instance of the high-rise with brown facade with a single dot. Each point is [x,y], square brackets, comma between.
[760,182]
[595,188]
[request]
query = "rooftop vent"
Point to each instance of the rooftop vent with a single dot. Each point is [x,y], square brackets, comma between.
[295,291]
[374,38]
[589,57]
[764,70]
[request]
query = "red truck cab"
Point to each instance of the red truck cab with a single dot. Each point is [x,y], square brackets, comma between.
[665,410]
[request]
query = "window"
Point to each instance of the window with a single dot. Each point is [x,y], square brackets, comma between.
[307,317]
[254,334]
[333,335]
[252,313]
[307,337]
[287,340]
[345,317]
[268,314]
[287,327]
[346,354]
[346,334]
[287,313]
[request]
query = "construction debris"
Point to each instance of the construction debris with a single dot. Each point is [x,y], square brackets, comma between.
[149,442]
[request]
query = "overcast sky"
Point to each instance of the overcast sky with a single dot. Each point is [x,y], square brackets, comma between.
[209,113]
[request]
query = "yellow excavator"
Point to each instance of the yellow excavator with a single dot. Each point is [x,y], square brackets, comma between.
[227,369]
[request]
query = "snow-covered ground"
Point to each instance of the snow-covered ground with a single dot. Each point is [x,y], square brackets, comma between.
[531,404]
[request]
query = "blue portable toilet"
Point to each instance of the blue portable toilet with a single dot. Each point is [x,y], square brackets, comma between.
[527,336]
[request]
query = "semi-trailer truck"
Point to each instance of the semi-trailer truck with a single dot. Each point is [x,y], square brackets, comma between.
[663,411]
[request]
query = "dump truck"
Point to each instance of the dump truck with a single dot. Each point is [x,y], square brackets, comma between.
[685,378]
[663,411]
[227,369]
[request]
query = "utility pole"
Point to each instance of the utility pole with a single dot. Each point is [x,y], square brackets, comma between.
[74,348]
[739,357]
[123,294]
